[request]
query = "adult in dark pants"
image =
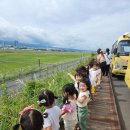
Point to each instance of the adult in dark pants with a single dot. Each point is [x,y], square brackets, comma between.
[101,61]
[108,59]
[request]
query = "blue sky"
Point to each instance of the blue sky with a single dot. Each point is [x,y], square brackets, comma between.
[79,24]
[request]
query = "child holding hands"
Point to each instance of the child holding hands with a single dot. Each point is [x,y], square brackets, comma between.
[69,111]
[46,98]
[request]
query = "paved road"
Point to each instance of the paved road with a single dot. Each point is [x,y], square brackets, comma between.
[122,95]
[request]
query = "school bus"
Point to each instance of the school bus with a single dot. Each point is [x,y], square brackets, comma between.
[120,54]
[127,75]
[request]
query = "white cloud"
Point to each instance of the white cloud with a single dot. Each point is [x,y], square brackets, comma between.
[65,23]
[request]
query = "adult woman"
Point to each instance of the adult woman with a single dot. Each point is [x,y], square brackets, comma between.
[108,59]
[101,61]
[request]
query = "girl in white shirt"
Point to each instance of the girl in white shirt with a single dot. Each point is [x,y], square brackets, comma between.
[46,98]
[95,74]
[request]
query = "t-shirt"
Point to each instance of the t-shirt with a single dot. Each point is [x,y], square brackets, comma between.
[98,76]
[81,94]
[73,115]
[93,76]
[108,58]
[53,118]
[98,71]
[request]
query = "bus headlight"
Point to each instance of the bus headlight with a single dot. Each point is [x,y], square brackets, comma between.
[118,66]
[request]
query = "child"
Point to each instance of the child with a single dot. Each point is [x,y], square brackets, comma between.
[76,79]
[95,77]
[46,99]
[98,74]
[30,119]
[82,102]
[69,110]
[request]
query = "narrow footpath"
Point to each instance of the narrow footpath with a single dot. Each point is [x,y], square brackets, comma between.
[103,112]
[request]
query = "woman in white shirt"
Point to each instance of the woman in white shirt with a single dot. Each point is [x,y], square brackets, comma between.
[108,59]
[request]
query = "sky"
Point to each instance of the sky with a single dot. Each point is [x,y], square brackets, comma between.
[77,24]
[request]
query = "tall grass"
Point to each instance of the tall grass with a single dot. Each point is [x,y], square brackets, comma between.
[10,105]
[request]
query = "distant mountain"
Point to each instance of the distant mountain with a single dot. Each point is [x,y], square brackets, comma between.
[71,49]
[21,44]
[17,44]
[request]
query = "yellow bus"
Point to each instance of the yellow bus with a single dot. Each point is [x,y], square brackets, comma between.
[120,54]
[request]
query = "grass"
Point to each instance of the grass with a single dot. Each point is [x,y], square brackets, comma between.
[16,61]
[11,105]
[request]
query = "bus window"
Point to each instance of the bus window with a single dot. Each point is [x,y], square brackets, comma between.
[124,47]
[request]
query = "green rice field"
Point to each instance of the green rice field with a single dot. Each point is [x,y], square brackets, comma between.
[13,62]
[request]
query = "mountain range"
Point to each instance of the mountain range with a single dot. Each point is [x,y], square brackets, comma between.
[17,44]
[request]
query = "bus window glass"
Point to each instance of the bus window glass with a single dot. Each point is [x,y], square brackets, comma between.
[124,46]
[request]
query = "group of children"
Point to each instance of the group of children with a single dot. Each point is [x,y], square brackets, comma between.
[77,95]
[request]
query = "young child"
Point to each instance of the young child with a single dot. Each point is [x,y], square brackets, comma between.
[76,79]
[30,119]
[98,76]
[46,98]
[69,110]
[95,77]
[82,102]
